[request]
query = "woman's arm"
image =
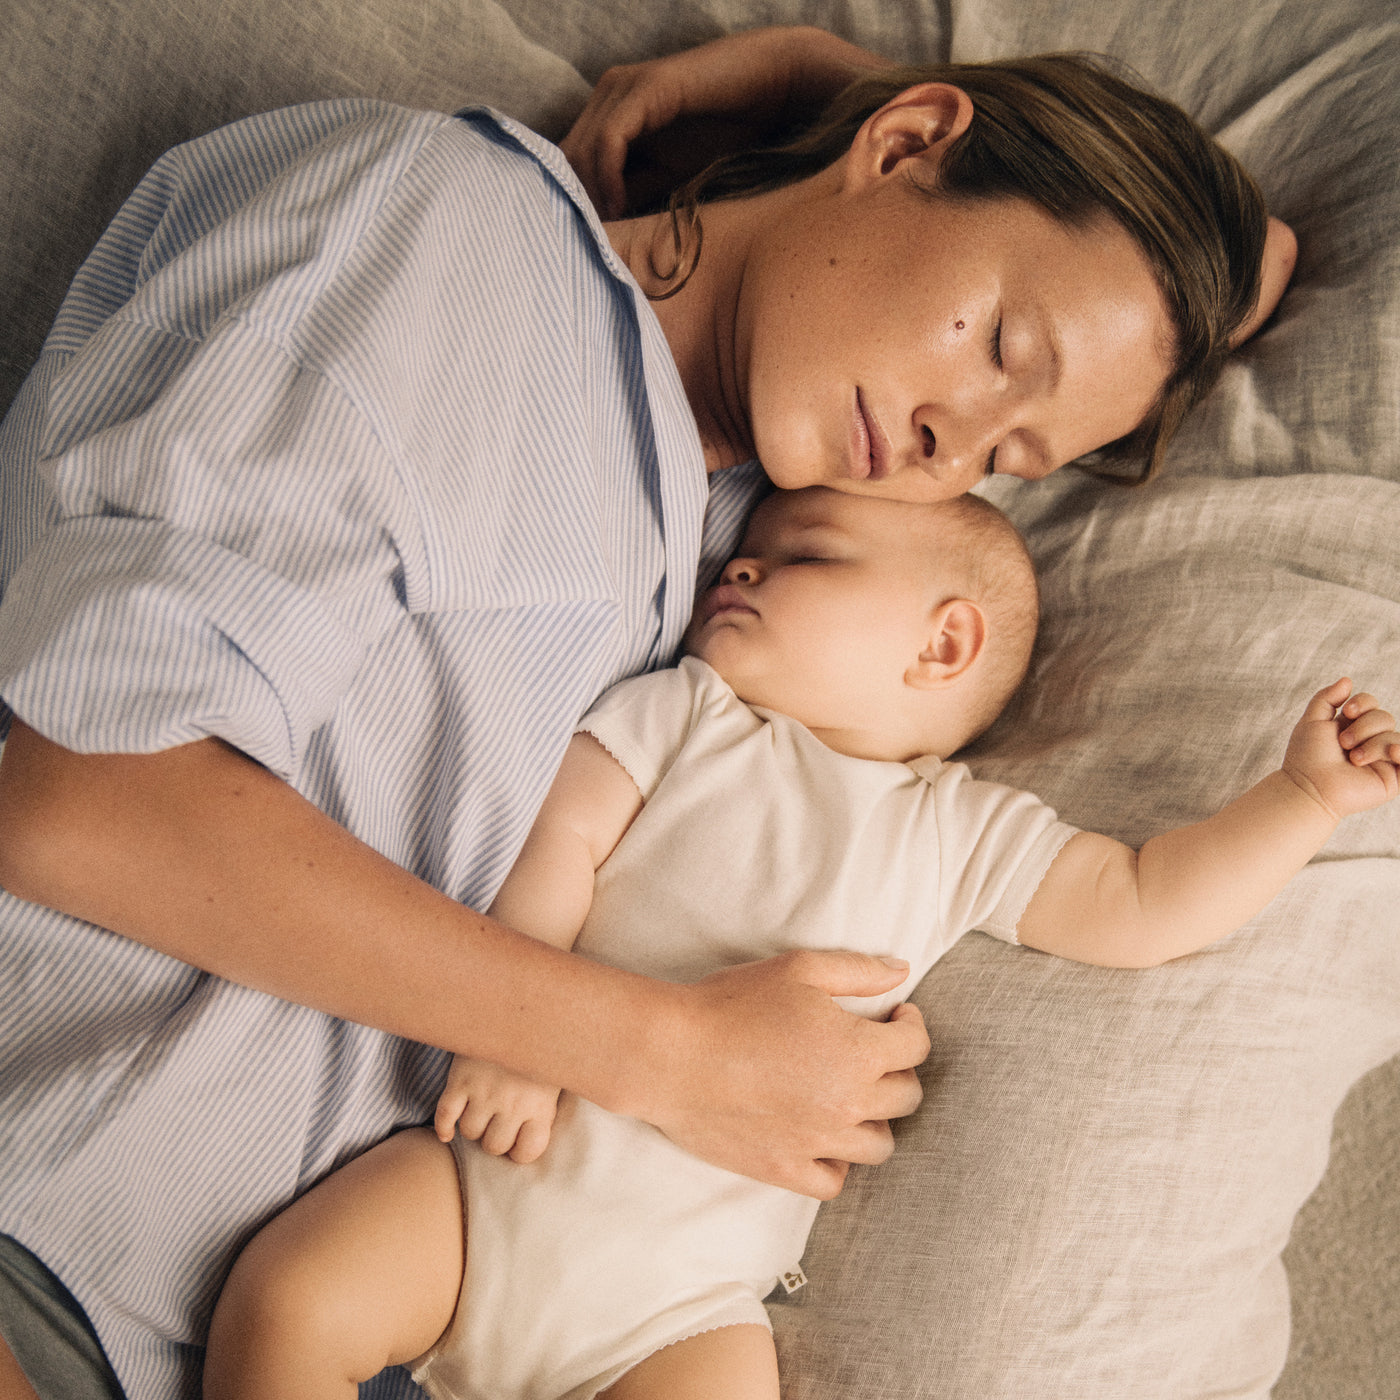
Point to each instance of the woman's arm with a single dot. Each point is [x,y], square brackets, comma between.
[1102,902]
[202,854]
[725,95]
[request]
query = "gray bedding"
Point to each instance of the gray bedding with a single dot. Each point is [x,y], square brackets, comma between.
[1097,1197]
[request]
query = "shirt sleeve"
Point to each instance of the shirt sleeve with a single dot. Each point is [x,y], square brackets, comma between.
[212,570]
[996,845]
[220,538]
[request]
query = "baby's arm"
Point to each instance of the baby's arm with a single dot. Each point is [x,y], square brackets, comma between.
[547,895]
[1102,902]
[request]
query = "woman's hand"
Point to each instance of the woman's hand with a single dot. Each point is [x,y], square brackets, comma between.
[507,1113]
[727,94]
[762,1072]
[1276,267]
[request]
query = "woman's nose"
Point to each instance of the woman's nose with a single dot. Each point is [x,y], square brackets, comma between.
[956,441]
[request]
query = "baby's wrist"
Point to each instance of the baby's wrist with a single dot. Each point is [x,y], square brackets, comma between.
[1299,790]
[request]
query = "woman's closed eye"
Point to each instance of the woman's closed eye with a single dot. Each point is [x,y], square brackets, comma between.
[994,351]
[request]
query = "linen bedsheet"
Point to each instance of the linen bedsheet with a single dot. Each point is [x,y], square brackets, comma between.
[1113,1185]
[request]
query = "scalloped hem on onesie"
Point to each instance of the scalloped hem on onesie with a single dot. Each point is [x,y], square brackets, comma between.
[734,1313]
[589,1389]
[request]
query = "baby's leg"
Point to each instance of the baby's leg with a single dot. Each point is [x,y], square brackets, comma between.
[728,1363]
[361,1273]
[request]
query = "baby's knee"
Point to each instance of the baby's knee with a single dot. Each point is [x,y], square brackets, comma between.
[278,1315]
[272,1287]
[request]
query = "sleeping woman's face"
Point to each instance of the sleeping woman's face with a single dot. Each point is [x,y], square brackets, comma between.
[888,343]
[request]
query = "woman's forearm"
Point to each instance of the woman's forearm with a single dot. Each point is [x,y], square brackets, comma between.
[204,855]
[201,854]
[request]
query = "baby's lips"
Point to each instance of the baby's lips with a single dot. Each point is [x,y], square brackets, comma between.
[721,598]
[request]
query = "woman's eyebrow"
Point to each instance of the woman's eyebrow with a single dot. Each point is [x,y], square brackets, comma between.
[1050,339]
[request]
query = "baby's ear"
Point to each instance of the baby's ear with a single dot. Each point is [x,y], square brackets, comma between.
[956,637]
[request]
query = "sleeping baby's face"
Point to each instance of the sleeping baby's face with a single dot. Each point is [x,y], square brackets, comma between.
[832,612]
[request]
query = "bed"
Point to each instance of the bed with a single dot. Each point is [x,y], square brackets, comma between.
[1181,1183]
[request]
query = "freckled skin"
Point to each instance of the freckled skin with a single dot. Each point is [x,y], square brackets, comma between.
[914,336]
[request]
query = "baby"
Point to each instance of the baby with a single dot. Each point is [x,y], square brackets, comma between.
[785,787]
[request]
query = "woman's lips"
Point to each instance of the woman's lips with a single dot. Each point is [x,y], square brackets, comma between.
[870,449]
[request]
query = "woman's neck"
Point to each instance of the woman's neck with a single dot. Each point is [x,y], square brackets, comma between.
[700,320]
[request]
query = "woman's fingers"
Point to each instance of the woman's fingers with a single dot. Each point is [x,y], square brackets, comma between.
[627,102]
[755,76]
[1276,267]
[765,1074]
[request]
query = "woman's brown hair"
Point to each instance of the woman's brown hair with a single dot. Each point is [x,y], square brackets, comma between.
[1069,134]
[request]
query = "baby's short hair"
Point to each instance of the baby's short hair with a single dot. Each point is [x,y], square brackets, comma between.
[993,568]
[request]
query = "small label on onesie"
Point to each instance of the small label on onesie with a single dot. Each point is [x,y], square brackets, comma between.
[793,1279]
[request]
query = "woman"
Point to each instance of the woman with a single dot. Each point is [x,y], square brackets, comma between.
[354,468]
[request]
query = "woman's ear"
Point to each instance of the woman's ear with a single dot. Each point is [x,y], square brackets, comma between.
[919,124]
[957,635]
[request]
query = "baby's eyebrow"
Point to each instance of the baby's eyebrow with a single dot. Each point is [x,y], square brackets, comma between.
[808,527]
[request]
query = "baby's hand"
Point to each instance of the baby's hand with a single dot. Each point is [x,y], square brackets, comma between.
[509,1114]
[1345,752]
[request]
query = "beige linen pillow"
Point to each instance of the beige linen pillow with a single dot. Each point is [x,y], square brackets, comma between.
[1093,1202]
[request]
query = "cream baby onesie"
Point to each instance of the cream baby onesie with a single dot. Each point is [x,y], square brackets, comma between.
[755,838]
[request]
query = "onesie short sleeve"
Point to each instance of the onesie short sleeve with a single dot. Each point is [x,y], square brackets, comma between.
[645,722]
[995,845]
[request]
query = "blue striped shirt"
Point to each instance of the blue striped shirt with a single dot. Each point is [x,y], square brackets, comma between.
[355,445]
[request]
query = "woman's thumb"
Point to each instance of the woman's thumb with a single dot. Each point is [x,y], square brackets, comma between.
[846,974]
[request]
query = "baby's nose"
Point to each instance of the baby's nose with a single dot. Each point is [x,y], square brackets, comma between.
[742,571]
